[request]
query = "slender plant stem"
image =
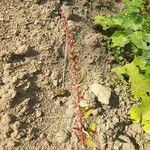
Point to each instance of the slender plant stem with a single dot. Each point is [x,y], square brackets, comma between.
[75,74]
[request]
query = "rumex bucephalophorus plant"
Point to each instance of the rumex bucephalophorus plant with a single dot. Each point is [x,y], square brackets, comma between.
[132,34]
[84,131]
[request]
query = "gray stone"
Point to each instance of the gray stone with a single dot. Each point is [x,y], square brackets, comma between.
[101,92]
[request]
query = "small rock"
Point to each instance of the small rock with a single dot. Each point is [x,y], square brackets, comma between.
[91,40]
[84,103]
[115,119]
[38,113]
[7,57]
[16,125]
[7,130]
[12,144]
[64,100]
[117,145]
[124,138]
[101,92]
[102,138]
[89,97]
[43,135]
[63,136]
[67,10]
[55,78]
[126,146]
[127,143]
[55,82]
[74,140]
[71,25]
[95,112]
[70,114]
[58,103]
[14,134]
[69,147]
[6,119]
[22,50]
[23,107]
[46,144]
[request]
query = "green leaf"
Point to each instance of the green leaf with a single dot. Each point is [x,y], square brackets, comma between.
[135,113]
[147,70]
[92,126]
[87,112]
[137,38]
[140,84]
[89,140]
[107,22]
[140,62]
[146,37]
[120,39]
[141,114]
[132,21]
[134,5]
[143,65]
[91,143]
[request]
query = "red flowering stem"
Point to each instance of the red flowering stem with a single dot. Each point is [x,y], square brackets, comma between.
[75,74]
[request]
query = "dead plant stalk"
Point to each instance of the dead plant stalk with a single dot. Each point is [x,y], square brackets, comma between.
[75,74]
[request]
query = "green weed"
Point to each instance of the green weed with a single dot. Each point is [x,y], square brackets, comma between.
[132,28]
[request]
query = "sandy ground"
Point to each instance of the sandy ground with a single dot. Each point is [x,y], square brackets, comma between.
[36,106]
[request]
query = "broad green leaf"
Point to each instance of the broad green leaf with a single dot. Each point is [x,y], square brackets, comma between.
[135,113]
[120,71]
[107,22]
[147,71]
[137,39]
[134,5]
[143,65]
[146,114]
[141,114]
[117,21]
[140,84]
[133,26]
[146,127]
[140,62]
[91,143]
[120,39]
[146,37]
[103,21]
[132,22]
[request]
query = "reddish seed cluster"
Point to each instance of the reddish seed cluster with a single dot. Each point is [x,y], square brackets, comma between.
[75,74]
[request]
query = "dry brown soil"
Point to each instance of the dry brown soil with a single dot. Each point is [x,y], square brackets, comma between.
[36,106]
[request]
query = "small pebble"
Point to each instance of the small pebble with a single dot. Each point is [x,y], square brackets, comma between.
[22,49]
[38,113]
[63,136]
[67,10]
